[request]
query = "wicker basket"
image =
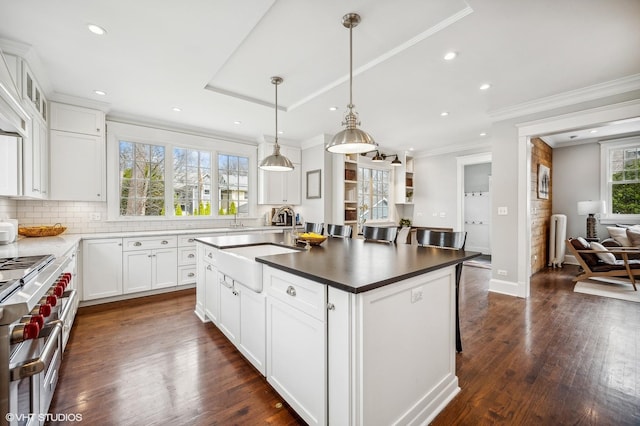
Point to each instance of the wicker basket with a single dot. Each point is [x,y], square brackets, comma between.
[42,231]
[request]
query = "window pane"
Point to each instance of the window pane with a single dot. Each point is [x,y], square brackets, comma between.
[191,195]
[141,179]
[373,194]
[625,198]
[233,185]
[624,164]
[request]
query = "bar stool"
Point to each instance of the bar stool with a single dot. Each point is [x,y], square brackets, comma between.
[385,234]
[339,231]
[316,228]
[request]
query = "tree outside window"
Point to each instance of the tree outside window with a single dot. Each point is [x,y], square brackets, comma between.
[191,182]
[625,180]
[142,183]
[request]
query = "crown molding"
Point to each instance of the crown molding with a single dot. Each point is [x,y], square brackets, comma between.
[452,149]
[585,94]
[83,102]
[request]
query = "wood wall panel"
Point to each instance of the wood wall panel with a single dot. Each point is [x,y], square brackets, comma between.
[541,209]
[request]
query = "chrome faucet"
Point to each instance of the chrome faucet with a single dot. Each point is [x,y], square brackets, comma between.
[289,210]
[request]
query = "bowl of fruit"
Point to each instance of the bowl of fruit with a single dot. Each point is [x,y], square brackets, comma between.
[311,238]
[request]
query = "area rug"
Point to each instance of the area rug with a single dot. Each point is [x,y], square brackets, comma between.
[483,261]
[609,288]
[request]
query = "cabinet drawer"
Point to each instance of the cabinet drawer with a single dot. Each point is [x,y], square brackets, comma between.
[306,295]
[186,275]
[210,254]
[187,256]
[149,243]
[187,240]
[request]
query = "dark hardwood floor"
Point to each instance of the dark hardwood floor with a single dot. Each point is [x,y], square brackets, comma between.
[556,358]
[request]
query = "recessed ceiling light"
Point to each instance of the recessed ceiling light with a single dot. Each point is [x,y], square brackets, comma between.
[450,56]
[333,108]
[237,122]
[444,113]
[483,134]
[176,109]
[593,131]
[100,92]
[411,149]
[485,86]
[280,132]
[96,29]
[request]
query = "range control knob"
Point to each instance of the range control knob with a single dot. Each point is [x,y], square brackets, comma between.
[22,332]
[38,319]
[41,309]
[50,300]
[55,291]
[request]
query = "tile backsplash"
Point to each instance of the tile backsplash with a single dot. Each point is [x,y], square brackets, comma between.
[82,217]
[8,208]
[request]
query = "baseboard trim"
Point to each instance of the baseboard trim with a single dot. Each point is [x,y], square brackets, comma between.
[505,287]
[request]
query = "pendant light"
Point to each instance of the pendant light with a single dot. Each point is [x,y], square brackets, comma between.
[377,158]
[396,162]
[351,140]
[276,162]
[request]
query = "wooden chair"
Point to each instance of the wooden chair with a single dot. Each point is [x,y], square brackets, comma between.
[316,228]
[619,265]
[380,233]
[449,240]
[339,231]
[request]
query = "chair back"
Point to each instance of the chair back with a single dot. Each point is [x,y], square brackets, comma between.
[404,235]
[340,231]
[448,239]
[316,228]
[379,233]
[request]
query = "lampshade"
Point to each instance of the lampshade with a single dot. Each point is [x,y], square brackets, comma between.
[396,162]
[276,162]
[591,207]
[377,158]
[351,140]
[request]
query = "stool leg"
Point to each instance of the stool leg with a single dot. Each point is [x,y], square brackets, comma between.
[458,276]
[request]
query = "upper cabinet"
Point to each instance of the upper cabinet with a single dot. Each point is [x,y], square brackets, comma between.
[279,187]
[13,117]
[77,137]
[33,95]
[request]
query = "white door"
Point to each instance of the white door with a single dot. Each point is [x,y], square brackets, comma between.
[137,270]
[229,309]
[165,268]
[101,268]
[253,327]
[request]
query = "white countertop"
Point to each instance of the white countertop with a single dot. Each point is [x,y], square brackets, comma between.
[60,244]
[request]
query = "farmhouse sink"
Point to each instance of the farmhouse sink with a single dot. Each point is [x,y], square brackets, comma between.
[239,263]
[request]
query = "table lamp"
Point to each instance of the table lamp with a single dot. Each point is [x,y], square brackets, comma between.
[591,208]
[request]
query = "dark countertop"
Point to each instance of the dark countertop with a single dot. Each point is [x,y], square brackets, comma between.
[352,265]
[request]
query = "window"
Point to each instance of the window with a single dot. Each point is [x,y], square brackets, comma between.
[142,179]
[621,180]
[373,194]
[233,185]
[191,182]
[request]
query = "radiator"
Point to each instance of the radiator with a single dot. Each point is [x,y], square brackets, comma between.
[557,236]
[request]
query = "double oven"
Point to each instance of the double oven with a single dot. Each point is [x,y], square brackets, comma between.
[38,303]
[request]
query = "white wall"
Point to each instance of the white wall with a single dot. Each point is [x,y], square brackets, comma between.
[315,157]
[576,177]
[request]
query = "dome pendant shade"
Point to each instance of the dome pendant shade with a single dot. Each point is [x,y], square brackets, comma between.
[276,162]
[351,140]
[396,162]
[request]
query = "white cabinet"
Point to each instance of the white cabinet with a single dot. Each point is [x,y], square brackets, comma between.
[211,293]
[297,343]
[186,259]
[229,319]
[35,160]
[77,133]
[10,155]
[279,187]
[15,117]
[149,263]
[101,268]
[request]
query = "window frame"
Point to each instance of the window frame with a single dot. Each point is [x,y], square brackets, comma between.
[390,196]
[170,139]
[606,185]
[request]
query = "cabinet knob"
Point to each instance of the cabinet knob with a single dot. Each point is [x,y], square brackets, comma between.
[191,256]
[235,292]
[291,291]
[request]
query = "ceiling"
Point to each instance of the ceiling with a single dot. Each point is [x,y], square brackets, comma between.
[214,61]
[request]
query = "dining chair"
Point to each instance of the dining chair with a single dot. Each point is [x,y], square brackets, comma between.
[339,231]
[385,234]
[449,240]
[316,228]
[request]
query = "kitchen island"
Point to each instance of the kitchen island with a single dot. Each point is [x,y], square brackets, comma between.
[356,332]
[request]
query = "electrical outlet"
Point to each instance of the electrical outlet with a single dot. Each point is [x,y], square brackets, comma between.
[503,211]
[94,216]
[416,294]
[502,272]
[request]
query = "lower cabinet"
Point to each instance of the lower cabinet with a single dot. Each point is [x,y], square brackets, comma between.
[101,268]
[149,263]
[297,343]
[212,293]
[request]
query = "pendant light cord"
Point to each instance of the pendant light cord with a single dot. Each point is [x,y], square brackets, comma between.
[276,84]
[350,65]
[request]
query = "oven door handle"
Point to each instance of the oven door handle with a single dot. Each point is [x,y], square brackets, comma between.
[71,296]
[37,365]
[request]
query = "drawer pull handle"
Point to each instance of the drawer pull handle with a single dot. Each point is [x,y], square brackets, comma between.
[291,291]
[210,255]
[209,268]
[137,244]
[235,292]
[191,256]
[331,306]
[191,240]
[164,242]
[191,274]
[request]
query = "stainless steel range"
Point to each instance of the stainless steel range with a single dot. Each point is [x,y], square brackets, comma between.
[37,306]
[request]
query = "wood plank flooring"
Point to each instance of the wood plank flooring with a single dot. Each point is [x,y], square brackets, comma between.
[557,358]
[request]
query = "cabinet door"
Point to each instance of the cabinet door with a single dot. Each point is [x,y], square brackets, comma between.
[271,188]
[296,359]
[101,268]
[229,320]
[211,293]
[201,266]
[77,167]
[136,270]
[75,119]
[253,327]
[35,161]
[9,170]
[291,182]
[165,268]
